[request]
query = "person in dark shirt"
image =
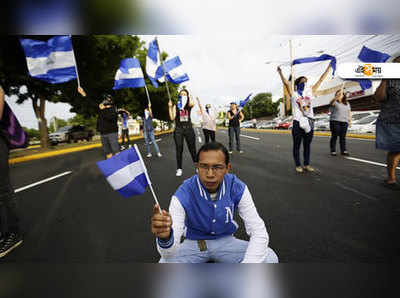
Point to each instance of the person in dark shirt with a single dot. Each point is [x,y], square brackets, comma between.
[10,234]
[107,124]
[388,124]
[183,127]
[148,131]
[235,117]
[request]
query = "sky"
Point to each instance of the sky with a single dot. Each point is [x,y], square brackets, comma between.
[225,67]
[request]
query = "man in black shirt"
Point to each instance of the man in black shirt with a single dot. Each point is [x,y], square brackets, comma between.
[235,117]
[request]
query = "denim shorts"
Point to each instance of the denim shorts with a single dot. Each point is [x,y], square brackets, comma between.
[110,143]
[388,136]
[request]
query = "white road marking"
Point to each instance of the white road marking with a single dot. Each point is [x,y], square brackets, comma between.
[356,191]
[250,137]
[157,140]
[42,181]
[367,161]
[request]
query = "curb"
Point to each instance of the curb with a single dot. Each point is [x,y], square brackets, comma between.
[67,151]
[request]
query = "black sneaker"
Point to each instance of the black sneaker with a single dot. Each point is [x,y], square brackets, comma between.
[9,243]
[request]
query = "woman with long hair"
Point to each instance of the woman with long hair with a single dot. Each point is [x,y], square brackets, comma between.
[180,113]
[303,116]
[340,120]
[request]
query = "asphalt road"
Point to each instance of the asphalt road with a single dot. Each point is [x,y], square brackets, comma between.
[340,213]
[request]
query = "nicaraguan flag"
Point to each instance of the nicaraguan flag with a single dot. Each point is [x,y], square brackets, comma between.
[315,59]
[174,71]
[242,103]
[125,172]
[370,56]
[152,62]
[129,75]
[52,61]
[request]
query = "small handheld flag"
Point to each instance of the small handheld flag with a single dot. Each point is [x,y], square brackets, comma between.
[52,61]
[127,173]
[129,75]
[242,103]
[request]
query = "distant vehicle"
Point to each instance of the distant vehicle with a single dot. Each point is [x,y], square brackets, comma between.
[365,125]
[357,116]
[71,133]
[322,125]
[285,123]
[269,124]
[246,124]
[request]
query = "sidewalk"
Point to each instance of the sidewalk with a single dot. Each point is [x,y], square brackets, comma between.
[54,152]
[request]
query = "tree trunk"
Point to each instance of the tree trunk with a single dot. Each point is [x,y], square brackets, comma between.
[39,112]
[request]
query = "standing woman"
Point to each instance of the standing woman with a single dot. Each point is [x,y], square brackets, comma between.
[388,124]
[183,127]
[302,108]
[209,121]
[339,121]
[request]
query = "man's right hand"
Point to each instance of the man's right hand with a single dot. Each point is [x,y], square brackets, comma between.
[161,223]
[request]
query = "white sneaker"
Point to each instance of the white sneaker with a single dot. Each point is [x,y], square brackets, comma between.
[179,172]
[149,155]
[159,154]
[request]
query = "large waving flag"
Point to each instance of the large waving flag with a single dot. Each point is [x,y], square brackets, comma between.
[152,62]
[126,172]
[369,56]
[174,71]
[129,75]
[52,61]
[316,59]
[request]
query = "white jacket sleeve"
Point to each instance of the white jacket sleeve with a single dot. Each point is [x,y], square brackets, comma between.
[257,249]
[178,215]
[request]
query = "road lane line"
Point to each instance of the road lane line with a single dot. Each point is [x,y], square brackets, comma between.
[367,161]
[356,191]
[157,140]
[43,181]
[250,137]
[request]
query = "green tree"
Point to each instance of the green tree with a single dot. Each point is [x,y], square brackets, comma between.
[260,105]
[90,122]
[33,134]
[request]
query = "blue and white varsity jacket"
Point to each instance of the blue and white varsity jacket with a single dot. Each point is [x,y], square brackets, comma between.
[198,217]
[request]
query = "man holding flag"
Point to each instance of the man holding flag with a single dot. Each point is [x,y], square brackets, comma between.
[203,207]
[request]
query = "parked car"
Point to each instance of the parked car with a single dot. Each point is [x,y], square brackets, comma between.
[266,124]
[285,123]
[322,125]
[71,133]
[365,125]
[357,116]
[246,124]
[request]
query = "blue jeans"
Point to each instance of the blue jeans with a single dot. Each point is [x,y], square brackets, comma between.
[223,250]
[149,137]
[9,221]
[234,130]
[300,135]
[338,129]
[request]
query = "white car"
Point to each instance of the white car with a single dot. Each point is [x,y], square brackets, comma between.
[365,125]
[357,116]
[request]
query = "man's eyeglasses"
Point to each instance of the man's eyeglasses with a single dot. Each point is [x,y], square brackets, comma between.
[214,168]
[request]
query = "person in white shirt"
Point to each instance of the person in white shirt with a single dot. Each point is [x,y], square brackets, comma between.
[303,116]
[202,210]
[209,121]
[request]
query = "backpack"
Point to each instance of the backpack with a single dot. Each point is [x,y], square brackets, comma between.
[12,129]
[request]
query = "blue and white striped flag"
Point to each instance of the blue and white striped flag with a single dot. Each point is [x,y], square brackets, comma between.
[152,62]
[126,172]
[129,75]
[52,61]
[174,71]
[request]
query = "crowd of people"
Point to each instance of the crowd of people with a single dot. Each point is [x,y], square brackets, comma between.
[201,210]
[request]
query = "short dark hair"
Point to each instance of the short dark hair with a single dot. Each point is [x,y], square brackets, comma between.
[214,146]
[297,81]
